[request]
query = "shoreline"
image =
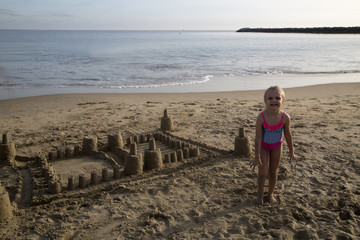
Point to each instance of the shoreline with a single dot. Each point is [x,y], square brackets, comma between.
[215,84]
[317,90]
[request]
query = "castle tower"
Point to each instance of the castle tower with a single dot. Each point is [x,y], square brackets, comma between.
[5,207]
[133,162]
[242,144]
[55,187]
[105,175]
[71,183]
[152,156]
[166,122]
[7,150]
[94,179]
[115,140]
[82,183]
[194,151]
[117,173]
[89,145]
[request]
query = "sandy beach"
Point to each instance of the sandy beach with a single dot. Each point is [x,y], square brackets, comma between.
[210,198]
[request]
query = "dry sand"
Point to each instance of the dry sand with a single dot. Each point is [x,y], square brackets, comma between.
[209,199]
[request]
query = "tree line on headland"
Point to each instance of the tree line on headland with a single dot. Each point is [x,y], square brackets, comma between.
[320,30]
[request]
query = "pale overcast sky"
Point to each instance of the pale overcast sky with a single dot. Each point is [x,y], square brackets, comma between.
[176,14]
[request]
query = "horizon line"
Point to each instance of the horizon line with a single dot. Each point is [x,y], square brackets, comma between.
[180,30]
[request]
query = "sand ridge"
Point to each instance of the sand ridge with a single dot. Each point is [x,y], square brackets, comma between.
[214,199]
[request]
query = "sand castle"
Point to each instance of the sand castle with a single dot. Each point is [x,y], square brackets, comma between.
[87,164]
[152,157]
[5,207]
[7,150]
[166,122]
[242,144]
[134,161]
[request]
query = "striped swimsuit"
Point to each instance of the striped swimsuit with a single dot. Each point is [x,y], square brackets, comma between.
[272,135]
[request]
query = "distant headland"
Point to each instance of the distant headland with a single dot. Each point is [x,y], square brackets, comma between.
[318,30]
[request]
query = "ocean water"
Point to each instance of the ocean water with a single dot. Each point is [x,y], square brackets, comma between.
[43,62]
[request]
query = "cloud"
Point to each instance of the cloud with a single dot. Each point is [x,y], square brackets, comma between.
[57,15]
[8,13]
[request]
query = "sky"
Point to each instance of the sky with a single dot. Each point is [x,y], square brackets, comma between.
[176,14]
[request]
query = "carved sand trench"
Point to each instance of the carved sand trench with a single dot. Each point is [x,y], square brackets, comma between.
[27,188]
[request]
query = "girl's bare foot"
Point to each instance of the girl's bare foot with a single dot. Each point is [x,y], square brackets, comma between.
[260,199]
[272,199]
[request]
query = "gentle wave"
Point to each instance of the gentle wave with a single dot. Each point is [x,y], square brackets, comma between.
[90,83]
[161,67]
[203,80]
[110,84]
[325,72]
[90,79]
[280,72]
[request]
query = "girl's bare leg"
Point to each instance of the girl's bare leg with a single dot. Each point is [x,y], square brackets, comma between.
[260,193]
[274,162]
[263,172]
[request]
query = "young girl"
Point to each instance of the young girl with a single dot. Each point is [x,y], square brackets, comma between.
[268,141]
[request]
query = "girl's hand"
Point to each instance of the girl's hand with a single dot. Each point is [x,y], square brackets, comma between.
[293,157]
[256,162]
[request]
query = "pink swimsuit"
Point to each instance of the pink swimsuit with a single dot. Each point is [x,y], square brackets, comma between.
[272,135]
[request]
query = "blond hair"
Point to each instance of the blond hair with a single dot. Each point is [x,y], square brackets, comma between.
[281,91]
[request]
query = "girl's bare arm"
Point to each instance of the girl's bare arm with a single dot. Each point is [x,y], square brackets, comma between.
[288,137]
[258,138]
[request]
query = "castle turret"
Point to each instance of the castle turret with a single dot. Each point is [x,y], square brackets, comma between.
[5,207]
[152,156]
[7,150]
[242,144]
[133,162]
[115,141]
[166,122]
[89,145]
